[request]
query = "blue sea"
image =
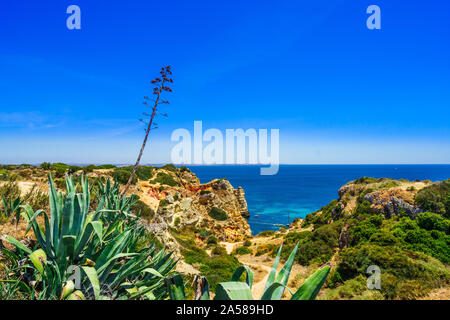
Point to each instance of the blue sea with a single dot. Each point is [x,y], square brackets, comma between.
[301,189]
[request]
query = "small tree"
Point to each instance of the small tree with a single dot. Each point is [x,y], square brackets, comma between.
[161,85]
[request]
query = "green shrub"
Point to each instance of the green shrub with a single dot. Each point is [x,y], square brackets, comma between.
[202,192]
[425,234]
[435,198]
[169,167]
[432,221]
[163,203]
[403,265]
[314,246]
[320,219]
[268,248]
[266,233]
[383,238]
[219,251]
[211,240]
[144,172]
[164,178]
[142,209]
[218,214]
[184,169]
[106,166]
[318,246]
[121,176]
[74,169]
[366,180]
[204,234]
[243,250]
[177,221]
[247,243]
[219,268]
[45,165]
[89,168]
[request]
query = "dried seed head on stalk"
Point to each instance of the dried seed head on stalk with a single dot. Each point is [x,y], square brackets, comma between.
[161,86]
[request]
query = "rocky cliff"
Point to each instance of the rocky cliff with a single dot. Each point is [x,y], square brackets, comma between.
[189,203]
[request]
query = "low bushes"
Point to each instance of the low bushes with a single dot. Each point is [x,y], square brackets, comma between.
[435,198]
[218,214]
[164,178]
[121,176]
[139,208]
[243,250]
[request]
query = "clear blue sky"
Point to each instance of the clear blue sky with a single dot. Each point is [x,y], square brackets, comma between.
[338,92]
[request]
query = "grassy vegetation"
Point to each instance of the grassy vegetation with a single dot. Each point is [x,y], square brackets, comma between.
[242,250]
[216,268]
[266,233]
[169,167]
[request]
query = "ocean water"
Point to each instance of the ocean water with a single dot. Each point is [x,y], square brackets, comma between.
[301,189]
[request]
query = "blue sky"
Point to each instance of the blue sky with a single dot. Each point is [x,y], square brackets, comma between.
[338,92]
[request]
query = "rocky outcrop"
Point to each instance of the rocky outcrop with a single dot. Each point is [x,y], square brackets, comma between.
[343,238]
[391,202]
[386,196]
[189,204]
[240,195]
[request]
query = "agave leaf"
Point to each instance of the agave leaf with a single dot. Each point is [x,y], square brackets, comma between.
[17,244]
[39,259]
[271,292]
[311,287]
[67,289]
[273,272]
[238,272]
[113,248]
[77,295]
[233,291]
[175,287]
[283,275]
[93,278]
[69,246]
[153,272]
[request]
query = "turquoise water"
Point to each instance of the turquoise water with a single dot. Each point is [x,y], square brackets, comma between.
[300,189]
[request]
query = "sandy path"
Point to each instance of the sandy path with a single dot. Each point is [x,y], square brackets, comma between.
[258,287]
[230,246]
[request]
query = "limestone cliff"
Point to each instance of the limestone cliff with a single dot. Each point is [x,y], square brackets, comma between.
[187,202]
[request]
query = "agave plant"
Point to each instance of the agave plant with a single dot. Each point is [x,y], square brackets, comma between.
[12,208]
[237,290]
[101,245]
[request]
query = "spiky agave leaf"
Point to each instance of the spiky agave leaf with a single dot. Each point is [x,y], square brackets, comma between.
[282,277]
[234,290]
[175,287]
[77,295]
[39,260]
[238,272]
[311,287]
[67,289]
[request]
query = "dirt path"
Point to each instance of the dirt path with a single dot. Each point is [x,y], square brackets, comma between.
[183,267]
[230,246]
[258,287]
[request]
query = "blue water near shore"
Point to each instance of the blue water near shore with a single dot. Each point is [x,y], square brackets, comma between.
[301,189]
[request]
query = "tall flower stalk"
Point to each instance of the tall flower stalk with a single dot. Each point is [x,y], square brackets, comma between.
[161,85]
